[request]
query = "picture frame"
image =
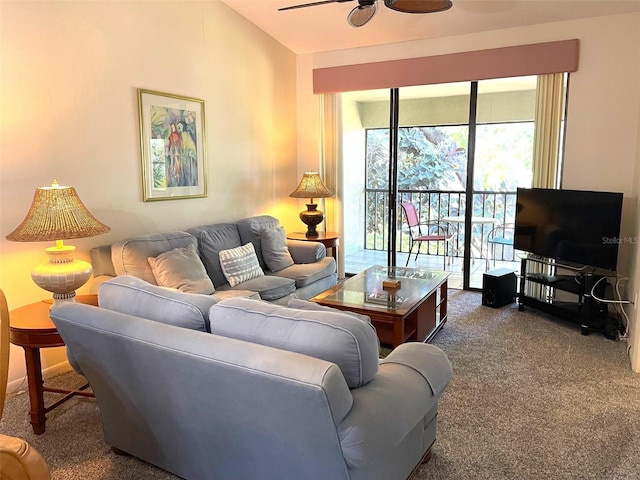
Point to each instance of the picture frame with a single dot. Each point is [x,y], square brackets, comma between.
[173,146]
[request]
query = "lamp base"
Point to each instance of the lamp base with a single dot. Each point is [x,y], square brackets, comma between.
[59,298]
[311,217]
[63,275]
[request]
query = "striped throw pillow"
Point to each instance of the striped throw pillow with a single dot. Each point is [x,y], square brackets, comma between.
[240,264]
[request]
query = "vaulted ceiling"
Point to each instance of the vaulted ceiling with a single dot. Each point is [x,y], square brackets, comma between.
[324,27]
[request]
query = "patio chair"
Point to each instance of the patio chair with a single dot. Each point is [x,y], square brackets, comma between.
[502,236]
[432,231]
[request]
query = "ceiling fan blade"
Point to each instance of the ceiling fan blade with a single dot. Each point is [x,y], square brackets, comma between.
[361,14]
[418,6]
[312,4]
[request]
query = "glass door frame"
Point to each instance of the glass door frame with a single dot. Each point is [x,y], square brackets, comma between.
[394,177]
[468,211]
[394,126]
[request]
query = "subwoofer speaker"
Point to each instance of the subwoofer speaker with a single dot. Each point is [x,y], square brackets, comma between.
[498,288]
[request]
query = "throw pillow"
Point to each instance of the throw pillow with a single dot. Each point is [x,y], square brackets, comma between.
[181,268]
[274,249]
[240,264]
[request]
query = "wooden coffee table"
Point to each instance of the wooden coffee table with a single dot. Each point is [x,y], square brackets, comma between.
[414,312]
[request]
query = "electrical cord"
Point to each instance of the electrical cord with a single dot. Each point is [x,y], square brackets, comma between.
[604,300]
[622,310]
[617,303]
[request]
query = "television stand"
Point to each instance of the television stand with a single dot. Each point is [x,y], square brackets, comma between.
[566,295]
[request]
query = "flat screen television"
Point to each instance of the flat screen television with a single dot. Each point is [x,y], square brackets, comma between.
[572,226]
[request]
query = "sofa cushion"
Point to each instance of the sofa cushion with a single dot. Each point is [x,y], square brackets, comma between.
[240,264]
[235,292]
[133,296]
[303,251]
[181,268]
[275,252]
[307,273]
[269,287]
[251,229]
[295,302]
[350,343]
[130,255]
[212,239]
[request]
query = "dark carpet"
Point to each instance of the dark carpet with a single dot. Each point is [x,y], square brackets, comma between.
[531,398]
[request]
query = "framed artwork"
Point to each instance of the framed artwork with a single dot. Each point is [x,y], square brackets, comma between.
[172,130]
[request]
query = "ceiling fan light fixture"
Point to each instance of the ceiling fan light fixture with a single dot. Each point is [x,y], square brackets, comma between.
[418,6]
[361,14]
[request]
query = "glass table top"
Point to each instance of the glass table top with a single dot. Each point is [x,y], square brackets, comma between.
[366,290]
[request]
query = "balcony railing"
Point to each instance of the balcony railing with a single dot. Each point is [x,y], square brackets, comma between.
[434,205]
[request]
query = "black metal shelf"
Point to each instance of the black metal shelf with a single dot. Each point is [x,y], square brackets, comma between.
[590,314]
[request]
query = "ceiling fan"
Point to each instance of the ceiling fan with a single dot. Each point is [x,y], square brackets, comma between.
[366,9]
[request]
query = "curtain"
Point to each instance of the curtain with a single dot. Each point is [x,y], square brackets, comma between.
[549,109]
[330,145]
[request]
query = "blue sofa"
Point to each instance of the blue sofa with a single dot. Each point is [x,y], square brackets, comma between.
[246,389]
[308,270]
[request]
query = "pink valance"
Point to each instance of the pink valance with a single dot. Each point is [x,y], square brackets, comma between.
[516,61]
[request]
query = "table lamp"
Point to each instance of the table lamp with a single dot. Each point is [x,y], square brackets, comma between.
[57,213]
[311,186]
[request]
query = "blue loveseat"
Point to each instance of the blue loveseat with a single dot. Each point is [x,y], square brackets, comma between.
[246,389]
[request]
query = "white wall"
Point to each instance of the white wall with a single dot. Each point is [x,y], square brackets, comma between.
[69,73]
[634,268]
[602,147]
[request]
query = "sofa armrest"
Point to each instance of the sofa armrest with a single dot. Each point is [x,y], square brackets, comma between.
[306,252]
[395,406]
[428,360]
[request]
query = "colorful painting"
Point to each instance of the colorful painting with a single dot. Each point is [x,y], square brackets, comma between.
[173,153]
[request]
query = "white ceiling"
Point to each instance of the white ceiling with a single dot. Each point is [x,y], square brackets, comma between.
[324,27]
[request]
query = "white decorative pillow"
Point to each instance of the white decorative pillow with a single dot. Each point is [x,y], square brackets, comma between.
[274,249]
[240,264]
[181,268]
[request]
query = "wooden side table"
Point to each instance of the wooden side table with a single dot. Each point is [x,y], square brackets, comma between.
[32,329]
[328,239]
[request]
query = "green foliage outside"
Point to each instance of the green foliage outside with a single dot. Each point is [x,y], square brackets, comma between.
[432,171]
[429,158]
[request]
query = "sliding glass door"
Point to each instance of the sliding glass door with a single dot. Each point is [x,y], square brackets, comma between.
[414,151]
[502,162]
[432,172]
[365,172]
[457,152]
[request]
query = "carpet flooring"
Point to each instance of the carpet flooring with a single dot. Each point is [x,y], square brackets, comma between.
[531,398]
